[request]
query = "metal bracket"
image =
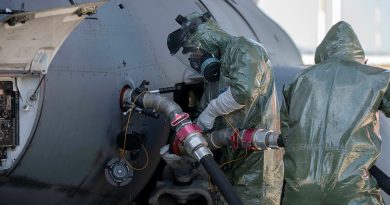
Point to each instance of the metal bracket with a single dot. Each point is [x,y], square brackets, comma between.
[22,18]
[40,63]
[86,11]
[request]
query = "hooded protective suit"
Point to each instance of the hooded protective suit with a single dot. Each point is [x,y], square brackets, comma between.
[246,76]
[330,125]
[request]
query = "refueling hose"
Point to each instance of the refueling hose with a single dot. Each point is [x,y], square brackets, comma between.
[189,139]
[170,109]
[382,179]
[220,180]
[259,139]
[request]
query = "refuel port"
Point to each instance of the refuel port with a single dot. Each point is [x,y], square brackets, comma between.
[133,141]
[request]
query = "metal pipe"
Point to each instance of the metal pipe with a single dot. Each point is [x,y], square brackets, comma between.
[188,135]
[219,138]
[253,139]
[259,139]
[188,138]
[162,104]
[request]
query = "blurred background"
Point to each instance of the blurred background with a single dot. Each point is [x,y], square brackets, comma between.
[307,21]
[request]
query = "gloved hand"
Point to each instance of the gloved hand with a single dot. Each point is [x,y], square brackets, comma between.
[224,104]
[206,120]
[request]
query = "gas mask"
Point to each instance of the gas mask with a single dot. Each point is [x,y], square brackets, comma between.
[189,53]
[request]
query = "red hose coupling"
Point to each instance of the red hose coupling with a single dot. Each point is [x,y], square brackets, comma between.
[179,118]
[235,139]
[182,134]
[246,139]
[175,147]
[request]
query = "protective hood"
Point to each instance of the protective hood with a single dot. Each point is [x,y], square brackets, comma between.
[330,125]
[340,42]
[209,36]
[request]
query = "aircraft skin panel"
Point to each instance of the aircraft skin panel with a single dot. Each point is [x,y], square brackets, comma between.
[156,24]
[229,19]
[89,44]
[64,155]
[279,45]
[23,193]
[261,28]
[81,102]
[383,162]
[31,39]
[28,44]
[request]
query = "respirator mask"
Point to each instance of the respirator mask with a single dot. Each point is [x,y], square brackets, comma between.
[189,53]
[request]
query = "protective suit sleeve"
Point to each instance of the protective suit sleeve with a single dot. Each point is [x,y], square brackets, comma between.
[385,103]
[244,75]
[284,110]
[202,105]
[224,104]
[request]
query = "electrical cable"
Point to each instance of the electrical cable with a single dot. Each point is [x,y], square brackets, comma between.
[236,132]
[32,97]
[123,150]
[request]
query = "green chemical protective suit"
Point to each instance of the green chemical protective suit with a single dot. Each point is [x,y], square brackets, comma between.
[330,125]
[246,75]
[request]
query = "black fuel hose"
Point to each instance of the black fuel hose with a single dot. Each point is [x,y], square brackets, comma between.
[280,141]
[164,105]
[382,179]
[220,180]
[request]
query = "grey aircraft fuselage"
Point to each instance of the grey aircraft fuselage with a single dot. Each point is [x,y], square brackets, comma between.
[67,135]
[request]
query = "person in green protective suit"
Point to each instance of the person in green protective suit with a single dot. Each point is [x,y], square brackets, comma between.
[239,92]
[330,125]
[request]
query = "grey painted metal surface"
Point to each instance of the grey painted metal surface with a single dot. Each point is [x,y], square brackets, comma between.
[80,116]
[383,162]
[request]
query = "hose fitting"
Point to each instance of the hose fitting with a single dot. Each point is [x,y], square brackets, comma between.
[250,139]
[189,139]
[188,135]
